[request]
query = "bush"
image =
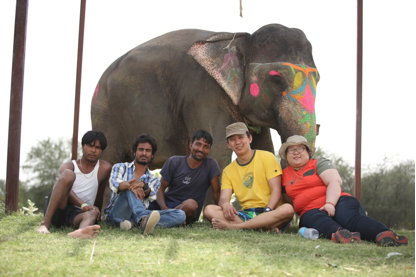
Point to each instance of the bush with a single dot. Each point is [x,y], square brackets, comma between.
[2,210]
[388,194]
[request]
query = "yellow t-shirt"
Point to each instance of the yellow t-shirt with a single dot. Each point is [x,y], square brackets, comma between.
[250,181]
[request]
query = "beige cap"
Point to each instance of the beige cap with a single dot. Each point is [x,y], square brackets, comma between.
[295,140]
[238,128]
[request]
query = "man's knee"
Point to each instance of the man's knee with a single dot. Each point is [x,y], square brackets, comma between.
[67,177]
[211,210]
[189,205]
[286,211]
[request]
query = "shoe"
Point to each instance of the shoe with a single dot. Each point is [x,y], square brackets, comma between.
[333,238]
[345,236]
[389,238]
[148,223]
[126,225]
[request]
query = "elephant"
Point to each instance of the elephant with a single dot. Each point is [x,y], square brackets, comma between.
[190,79]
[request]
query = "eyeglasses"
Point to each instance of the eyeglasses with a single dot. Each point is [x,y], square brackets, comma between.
[298,149]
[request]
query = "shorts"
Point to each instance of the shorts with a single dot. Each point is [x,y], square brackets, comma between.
[247,214]
[63,217]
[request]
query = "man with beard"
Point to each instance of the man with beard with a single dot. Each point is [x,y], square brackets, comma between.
[188,179]
[133,187]
[76,198]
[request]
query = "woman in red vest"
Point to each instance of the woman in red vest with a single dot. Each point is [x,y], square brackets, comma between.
[314,187]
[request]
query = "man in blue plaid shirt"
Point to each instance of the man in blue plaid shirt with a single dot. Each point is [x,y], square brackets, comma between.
[133,187]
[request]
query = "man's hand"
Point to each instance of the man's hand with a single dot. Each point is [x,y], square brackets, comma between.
[87,208]
[229,212]
[135,183]
[329,208]
[138,191]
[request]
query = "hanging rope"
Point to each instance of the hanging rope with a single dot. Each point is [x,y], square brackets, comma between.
[241,8]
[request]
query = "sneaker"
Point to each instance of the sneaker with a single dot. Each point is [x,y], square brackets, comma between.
[333,238]
[345,236]
[148,223]
[126,225]
[389,238]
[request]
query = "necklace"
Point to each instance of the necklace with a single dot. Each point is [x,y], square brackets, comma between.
[297,172]
[92,172]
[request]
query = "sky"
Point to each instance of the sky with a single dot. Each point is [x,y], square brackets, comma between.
[114,27]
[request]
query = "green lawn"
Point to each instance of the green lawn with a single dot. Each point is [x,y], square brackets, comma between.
[196,250]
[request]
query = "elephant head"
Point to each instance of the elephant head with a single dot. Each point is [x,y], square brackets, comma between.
[270,76]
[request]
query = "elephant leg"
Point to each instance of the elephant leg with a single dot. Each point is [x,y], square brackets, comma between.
[263,141]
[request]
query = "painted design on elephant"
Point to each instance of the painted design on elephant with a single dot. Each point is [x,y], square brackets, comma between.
[230,62]
[96,92]
[304,92]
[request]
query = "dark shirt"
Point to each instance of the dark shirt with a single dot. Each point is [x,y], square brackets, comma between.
[185,182]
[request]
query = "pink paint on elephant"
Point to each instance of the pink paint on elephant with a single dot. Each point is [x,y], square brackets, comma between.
[254,89]
[96,90]
[274,73]
[308,100]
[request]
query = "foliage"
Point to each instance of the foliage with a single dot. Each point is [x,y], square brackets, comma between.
[42,166]
[29,210]
[23,192]
[388,193]
[2,209]
[197,250]
[344,169]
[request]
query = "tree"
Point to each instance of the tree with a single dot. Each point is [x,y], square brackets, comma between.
[23,193]
[388,193]
[345,170]
[42,166]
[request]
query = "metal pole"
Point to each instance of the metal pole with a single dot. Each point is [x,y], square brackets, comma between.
[16,102]
[357,178]
[78,80]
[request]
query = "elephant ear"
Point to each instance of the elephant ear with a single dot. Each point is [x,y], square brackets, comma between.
[221,56]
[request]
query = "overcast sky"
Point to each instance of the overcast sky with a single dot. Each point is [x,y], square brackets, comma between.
[114,27]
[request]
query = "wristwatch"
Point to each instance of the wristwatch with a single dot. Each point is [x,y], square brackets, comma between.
[267,210]
[145,187]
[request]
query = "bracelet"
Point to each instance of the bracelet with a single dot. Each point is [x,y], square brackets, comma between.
[83,205]
[330,203]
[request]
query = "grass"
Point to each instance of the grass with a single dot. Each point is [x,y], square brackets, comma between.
[197,250]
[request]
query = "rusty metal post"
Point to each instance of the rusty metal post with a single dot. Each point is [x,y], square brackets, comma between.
[78,80]
[16,102]
[357,178]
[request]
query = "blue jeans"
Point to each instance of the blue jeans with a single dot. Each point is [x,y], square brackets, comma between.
[127,207]
[349,214]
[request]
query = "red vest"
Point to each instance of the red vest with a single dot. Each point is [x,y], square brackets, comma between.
[305,187]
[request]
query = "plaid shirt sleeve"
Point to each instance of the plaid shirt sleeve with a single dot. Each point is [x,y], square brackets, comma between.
[117,176]
[154,184]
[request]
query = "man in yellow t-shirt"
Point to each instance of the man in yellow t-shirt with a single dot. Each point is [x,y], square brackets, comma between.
[255,178]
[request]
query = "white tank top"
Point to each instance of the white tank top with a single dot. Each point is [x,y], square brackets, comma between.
[86,185]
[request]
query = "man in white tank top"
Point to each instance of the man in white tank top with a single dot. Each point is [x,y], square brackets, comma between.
[76,198]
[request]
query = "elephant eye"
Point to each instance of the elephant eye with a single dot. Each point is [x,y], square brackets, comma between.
[278,83]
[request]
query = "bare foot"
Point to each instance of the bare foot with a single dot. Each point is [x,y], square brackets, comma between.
[43,230]
[275,231]
[86,233]
[219,224]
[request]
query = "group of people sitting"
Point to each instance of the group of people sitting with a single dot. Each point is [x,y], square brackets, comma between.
[268,196]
